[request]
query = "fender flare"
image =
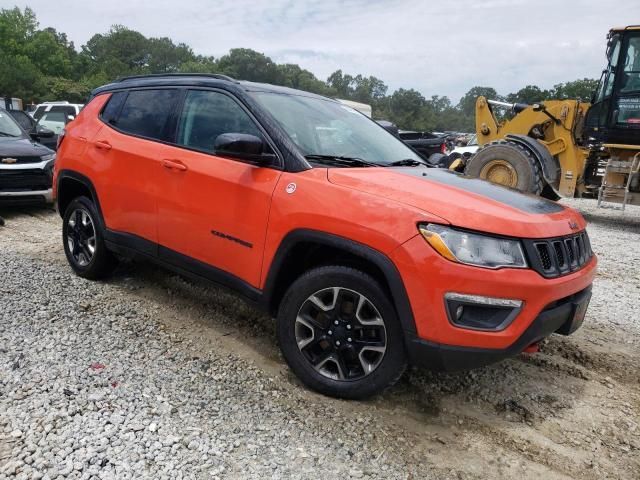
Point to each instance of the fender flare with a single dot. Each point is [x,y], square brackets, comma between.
[84,181]
[549,165]
[399,295]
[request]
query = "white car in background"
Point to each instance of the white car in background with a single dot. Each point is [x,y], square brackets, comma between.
[466,151]
[55,115]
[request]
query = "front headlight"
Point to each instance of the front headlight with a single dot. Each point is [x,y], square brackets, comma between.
[474,249]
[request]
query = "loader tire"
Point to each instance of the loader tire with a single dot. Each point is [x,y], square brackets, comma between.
[509,164]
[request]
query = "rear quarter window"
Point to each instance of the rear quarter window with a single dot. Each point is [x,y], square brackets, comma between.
[112,109]
[146,113]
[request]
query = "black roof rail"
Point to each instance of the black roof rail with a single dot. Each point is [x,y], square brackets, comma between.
[218,76]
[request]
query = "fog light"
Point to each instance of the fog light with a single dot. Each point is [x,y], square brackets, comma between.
[477,312]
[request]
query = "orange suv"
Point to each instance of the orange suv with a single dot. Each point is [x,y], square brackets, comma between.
[369,259]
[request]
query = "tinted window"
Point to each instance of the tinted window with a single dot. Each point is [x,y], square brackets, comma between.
[23,119]
[146,113]
[112,108]
[206,115]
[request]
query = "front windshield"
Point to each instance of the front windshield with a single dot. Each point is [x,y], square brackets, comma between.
[8,126]
[323,127]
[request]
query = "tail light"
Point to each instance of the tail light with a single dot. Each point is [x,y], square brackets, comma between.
[60,139]
[443,147]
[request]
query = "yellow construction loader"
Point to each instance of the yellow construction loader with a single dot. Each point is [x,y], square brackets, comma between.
[568,148]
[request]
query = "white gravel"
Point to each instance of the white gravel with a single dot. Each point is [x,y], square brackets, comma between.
[151,376]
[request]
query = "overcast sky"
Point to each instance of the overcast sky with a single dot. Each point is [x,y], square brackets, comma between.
[437,47]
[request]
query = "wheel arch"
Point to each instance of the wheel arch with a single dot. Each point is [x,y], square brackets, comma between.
[303,249]
[71,184]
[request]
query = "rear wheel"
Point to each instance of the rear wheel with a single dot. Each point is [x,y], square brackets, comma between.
[83,240]
[509,164]
[340,334]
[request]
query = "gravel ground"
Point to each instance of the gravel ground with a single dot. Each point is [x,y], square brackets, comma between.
[152,376]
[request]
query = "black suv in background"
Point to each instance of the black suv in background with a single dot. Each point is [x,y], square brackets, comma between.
[39,133]
[26,167]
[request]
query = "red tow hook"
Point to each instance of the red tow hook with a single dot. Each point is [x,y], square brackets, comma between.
[533,348]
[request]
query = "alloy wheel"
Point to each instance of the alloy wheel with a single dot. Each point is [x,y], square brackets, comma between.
[341,334]
[81,237]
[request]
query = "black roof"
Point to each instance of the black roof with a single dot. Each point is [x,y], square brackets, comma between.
[198,79]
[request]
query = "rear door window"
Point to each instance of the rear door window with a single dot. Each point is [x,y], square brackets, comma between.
[146,113]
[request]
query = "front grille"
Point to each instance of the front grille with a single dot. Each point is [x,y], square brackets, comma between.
[24,180]
[21,159]
[554,257]
[544,255]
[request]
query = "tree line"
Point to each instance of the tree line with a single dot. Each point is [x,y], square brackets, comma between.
[43,64]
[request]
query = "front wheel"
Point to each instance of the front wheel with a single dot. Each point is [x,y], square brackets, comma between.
[340,334]
[83,240]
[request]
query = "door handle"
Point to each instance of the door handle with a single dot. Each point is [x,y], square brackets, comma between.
[103,145]
[174,165]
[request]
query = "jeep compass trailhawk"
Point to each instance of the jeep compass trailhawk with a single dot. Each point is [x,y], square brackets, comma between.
[369,259]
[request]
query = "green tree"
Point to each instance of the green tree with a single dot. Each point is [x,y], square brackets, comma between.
[200,64]
[120,52]
[166,57]
[468,103]
[19,76]
[529,94]
[405,108]
[578,89]
[341,84]
[247,64]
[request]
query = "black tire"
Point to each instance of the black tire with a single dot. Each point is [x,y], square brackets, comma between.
[519,160]
[89,235]
[439,160]
[364,372]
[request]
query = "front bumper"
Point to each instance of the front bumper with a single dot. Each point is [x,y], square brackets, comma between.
[428,277]
[33,197]
[559,317]
[26,183]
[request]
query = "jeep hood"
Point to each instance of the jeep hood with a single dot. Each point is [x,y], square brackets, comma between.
[464,201]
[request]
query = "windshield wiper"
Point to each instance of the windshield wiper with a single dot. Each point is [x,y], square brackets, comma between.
[345,161]
[407,162]
[5,134]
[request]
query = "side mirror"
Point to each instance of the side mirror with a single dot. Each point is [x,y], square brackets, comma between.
[42,132]
[242,146]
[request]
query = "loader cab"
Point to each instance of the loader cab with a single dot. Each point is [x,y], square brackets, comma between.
[614,116]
